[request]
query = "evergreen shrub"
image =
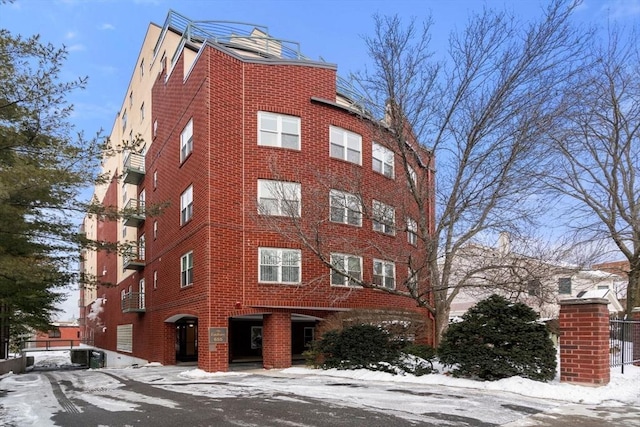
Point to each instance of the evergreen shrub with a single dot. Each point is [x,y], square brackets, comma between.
[499,339]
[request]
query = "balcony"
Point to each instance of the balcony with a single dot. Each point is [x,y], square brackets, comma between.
[133,302]
[134,258]
[133,168]
[134,213]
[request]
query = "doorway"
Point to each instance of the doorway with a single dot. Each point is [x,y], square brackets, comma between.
[187,340]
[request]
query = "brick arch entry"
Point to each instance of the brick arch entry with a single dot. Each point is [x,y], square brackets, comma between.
[185,337]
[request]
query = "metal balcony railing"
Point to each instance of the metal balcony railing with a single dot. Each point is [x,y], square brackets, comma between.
[134,213]
[133,302]
[134,258]
[133,168]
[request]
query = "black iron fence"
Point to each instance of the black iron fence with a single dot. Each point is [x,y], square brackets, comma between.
[624,342]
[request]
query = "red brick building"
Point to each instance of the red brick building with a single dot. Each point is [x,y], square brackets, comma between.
[61,334]
[272,204]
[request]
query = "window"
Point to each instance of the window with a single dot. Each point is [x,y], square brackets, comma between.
[155,230]
[534,288]
[124,120]
[384,274]
[186,205]
[186,269]
[141,292]
[54,333]
[279,265]
[412,231]
[346,270]
[384,218]
[564,286]
[278,198]
[141,248]
[124,230]
[124,193]
[382,160]
[345,208]
[155,279]
[155,128]
[277,130]
[131,99]
[142,112]
[186,141]
[155,179]
[345,145]
[142,68]
[412,175]
[142,201]
[412,279]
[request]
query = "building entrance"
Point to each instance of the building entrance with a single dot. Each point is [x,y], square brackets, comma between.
[187,340]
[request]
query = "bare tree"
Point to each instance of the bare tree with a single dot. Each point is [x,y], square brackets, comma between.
[482,112]
[598,147]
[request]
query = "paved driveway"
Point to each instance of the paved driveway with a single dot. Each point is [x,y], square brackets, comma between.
[161,397]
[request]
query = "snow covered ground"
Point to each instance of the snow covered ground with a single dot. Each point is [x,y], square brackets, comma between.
[15,389]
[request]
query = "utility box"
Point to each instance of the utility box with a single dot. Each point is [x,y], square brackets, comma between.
[80,357]
[97,359]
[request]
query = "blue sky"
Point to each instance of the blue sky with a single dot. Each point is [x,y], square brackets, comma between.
[103,37]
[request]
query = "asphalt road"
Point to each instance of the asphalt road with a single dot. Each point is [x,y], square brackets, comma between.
[161,398]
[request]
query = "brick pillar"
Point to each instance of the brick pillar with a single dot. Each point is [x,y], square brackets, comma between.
[584,341]
[635,334]
[276,340]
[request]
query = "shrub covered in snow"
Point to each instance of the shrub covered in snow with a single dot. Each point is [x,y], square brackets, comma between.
[499,339]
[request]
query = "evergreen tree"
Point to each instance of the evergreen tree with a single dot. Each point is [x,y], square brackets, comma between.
[499,339]
[43,168]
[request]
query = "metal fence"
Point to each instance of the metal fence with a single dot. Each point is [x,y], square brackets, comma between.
[623,334]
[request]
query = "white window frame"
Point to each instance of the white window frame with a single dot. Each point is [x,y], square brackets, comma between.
[383,160]
[278,260]
[281,133]
[345,208]
[345,145]
[383,218]
[186,269]
[412,176]
[141,294]
[339,262]
[279,198]
[412,279]
[123,118]
[155,279]
[186,205]
[124,193]
[142,247]
[412,231]
[384,274]
[186,141]
[155,229]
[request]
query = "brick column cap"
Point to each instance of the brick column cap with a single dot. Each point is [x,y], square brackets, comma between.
[583,301]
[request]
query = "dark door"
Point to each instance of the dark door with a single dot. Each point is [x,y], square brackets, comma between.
[187,340]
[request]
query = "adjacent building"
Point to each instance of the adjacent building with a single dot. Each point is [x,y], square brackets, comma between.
[259,197]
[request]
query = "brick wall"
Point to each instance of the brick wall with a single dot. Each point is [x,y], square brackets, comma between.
[223,96]
[584,341]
